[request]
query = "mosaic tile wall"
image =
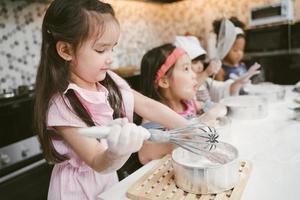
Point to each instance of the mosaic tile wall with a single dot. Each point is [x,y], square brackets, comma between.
[144,25]
[20,41]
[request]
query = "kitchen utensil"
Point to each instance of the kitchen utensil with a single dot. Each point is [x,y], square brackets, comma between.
[225,40]
[272,92]
[222,125]
[246,107]
[296,115]
[159,183]
[296,111]
[197,138]
[197,175]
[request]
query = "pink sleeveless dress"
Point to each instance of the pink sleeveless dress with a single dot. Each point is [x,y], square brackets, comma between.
[73,179]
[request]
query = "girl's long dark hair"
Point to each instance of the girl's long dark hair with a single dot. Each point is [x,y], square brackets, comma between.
[151,63]
[68,21]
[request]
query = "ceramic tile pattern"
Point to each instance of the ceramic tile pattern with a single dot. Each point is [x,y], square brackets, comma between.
[20,40]
[143,25]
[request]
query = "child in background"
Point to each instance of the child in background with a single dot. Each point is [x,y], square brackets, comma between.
[232,67]
[75,88]
[167,76]
[207,90]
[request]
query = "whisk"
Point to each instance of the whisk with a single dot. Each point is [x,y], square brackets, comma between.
[196,138]
[195,133]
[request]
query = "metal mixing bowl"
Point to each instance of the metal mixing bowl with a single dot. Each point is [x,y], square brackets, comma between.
[272,92]
[246,107]
[197,175]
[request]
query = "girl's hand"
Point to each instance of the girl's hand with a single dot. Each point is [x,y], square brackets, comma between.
[253,70]
[241,81]
[126,139]
[213,67]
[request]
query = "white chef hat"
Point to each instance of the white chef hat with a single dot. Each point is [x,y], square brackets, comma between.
[239,31]
[191,45]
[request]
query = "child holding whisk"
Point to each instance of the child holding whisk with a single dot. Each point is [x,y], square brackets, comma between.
[167,76]
[75,88]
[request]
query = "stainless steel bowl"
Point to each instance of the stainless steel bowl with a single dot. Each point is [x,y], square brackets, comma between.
[272,92]
[197,175]
[246,107]
[296,112]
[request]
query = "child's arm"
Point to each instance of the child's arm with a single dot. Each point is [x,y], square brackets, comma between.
[161,114]
[211,110]
[213,68]
[122,141]
[240,82]
[157,112]
[220,75]
[219,89]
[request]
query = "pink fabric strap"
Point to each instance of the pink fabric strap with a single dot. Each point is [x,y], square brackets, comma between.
[170,61]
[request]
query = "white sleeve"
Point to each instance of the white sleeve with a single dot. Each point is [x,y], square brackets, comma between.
[218,89]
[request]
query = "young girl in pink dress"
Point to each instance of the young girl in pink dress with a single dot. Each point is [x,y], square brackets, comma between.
[167,76]
[75,88]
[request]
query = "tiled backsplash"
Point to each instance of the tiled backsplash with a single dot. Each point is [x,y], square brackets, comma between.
[20,41]
[144,25]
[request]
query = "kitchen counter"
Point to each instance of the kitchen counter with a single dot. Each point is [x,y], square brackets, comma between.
[271,144]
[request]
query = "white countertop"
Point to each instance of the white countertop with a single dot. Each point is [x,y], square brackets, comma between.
[271,144]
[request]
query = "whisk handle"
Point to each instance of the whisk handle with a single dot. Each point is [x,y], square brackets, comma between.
[103,131]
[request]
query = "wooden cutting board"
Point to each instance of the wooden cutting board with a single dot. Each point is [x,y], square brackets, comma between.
[159,183]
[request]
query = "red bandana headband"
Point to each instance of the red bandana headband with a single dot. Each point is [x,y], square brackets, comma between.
[170,61]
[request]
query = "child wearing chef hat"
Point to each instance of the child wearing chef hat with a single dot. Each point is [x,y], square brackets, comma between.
[208,91]
[232,65]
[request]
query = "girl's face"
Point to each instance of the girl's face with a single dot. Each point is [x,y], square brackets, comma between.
[182,82]
[94,57]
[197,66]
[236,52]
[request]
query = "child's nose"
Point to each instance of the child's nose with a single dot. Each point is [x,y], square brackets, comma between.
[108,61]
[109,58]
